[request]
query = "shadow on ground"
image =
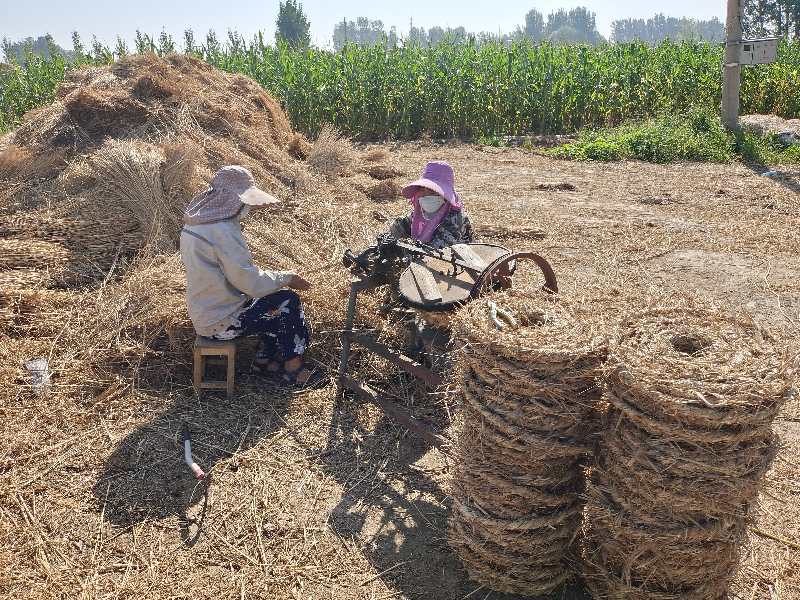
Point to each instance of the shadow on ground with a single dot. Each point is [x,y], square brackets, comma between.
[146,478]
[790,180]
[394,505]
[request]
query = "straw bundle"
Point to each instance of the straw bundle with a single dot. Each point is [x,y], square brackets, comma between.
[382,171]
[182,174]
[299,146]
[65,251]
[692,394]
[375,155]
[331,153]
[385,190]
[528,397]
[31,254]
[22,164]
[130,177]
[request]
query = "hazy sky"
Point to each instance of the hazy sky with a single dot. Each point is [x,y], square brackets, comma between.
[108,19]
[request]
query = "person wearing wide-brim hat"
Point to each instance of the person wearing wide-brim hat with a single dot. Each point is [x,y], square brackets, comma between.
[228,296]
[437,218]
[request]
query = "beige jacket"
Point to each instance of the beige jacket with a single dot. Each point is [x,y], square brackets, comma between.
[220,275]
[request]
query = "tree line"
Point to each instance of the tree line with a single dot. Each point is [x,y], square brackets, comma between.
[658,28]
[762,18]
[577,25]
[44,46]
[574,26]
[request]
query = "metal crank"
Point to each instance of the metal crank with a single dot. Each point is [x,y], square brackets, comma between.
[501,271]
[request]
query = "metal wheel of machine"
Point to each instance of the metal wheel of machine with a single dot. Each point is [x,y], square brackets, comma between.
[501,270]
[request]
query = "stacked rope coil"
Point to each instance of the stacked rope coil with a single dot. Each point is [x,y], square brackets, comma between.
[528,391]
[692,394]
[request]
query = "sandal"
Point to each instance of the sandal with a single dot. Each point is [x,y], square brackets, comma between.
[270,368]
[317,379]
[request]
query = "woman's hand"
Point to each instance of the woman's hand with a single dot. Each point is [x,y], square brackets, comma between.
[298,283]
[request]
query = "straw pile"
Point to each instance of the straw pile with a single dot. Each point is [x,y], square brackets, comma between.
[525,434]
[126,146]
[692,395]
[93,188]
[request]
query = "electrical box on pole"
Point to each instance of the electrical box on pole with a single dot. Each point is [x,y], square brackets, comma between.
[758,52]
[740,52]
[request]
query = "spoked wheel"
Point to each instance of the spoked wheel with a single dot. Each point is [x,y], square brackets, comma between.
[499,273]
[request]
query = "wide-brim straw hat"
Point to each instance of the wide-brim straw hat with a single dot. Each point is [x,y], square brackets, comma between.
[231,187]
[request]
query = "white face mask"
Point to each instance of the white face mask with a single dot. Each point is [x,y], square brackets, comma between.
[430,204]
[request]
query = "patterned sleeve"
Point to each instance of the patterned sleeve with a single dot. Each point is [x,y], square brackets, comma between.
[451,231]
[469,233]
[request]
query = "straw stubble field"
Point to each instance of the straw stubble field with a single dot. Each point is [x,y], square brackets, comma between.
[721,231]
[310,496]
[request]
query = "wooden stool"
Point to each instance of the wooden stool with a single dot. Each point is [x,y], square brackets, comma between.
[205,349]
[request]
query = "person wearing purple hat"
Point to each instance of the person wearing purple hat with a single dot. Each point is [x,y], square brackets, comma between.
[437,217]
[228,296]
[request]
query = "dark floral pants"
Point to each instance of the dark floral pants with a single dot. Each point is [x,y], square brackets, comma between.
[279,321]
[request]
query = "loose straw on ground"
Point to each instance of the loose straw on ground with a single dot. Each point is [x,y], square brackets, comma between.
[89,275]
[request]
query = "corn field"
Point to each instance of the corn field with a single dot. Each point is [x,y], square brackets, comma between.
[461,90]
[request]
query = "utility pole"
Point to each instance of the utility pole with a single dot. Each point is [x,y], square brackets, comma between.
[731,69]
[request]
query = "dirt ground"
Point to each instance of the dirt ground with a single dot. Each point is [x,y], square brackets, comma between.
[344,504]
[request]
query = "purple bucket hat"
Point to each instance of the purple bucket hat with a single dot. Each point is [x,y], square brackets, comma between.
[437,177]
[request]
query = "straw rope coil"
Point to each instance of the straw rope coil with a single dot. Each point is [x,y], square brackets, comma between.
[692,394]
[526,430]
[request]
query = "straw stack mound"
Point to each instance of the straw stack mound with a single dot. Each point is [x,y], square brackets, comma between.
[525,433]
[692,394]
[92,189]
[124,147]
